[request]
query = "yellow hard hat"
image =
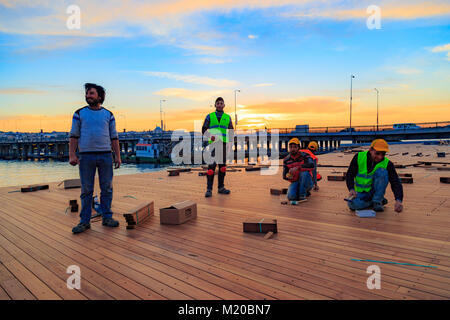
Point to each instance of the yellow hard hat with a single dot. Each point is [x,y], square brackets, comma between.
[313,146]
[294,140]
[380,145]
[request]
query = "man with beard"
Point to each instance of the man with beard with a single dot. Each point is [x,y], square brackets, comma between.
[93,133]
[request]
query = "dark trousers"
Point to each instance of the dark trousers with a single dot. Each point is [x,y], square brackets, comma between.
[221,175]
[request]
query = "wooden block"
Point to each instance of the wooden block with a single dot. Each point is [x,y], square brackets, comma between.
[443,168]
[336,178]
[179,169]
[406,180]
[405,175]
[173,173]
[268,235]
[139,214]
[284,191]
[253,169]
[275,192]
[445,179]
[72,183]
[34,187]
[74,208]
[73,202]
[260,225]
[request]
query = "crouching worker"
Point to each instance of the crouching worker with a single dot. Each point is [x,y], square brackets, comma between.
[368,176]
[297,167]
[311,150]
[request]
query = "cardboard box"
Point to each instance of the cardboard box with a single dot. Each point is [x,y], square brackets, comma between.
[72,183]
[178,213]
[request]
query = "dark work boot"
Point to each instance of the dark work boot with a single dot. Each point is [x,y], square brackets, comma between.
[81,227]
[378,207]
[223,190]
[208,193]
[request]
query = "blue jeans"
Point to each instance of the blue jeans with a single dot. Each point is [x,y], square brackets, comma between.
[298,189]
[88,165]
[376,194]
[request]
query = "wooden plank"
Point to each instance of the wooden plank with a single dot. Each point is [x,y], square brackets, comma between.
[35,187]
[336,178]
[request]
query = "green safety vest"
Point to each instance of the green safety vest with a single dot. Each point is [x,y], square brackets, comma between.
[219,130]
[363,180]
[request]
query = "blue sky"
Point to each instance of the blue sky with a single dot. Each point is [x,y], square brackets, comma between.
[292,61]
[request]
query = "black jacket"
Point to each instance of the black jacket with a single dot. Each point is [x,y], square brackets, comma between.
[394,180]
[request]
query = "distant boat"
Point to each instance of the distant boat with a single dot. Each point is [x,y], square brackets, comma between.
[147,150]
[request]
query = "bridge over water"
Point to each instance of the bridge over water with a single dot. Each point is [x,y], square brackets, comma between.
[328,138]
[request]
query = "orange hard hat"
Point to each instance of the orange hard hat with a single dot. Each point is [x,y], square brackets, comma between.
[313,146]
[295,141]
[380,145]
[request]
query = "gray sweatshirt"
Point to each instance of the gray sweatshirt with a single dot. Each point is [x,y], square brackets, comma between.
[94,129]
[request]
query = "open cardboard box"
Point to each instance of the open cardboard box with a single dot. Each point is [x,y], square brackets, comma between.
[178,213]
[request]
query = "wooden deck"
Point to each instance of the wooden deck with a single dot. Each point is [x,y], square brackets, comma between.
[211,258]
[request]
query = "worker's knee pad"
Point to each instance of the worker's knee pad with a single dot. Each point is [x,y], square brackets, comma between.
[223,169]
[210,172]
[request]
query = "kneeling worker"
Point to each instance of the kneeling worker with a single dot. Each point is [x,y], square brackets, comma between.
[297,167]
[311,150]
[368,176]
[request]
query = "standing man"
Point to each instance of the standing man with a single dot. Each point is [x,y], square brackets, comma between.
[297,167]
[368,176]
[218,123]
[94,132]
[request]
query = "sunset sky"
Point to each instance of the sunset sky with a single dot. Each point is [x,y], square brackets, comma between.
[291,59]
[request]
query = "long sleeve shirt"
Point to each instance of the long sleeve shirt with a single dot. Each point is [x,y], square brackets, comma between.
[394,180]
[94,129]
[301,160]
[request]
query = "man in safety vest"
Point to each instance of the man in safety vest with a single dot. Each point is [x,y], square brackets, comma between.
[217,123]
[296,169]
[368,176]
[312,148]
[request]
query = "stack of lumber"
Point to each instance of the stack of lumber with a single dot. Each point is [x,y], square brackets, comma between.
[139,214]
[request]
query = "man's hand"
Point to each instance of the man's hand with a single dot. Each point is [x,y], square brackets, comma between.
[117,162]
[352,194]
[398,206]
[213,138]
[316,187]
[73,159]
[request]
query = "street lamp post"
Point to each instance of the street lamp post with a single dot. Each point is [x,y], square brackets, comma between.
[351,98]
[377,105]
[235,104]
[160,112]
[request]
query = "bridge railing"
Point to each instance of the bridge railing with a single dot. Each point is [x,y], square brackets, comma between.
[336,129]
